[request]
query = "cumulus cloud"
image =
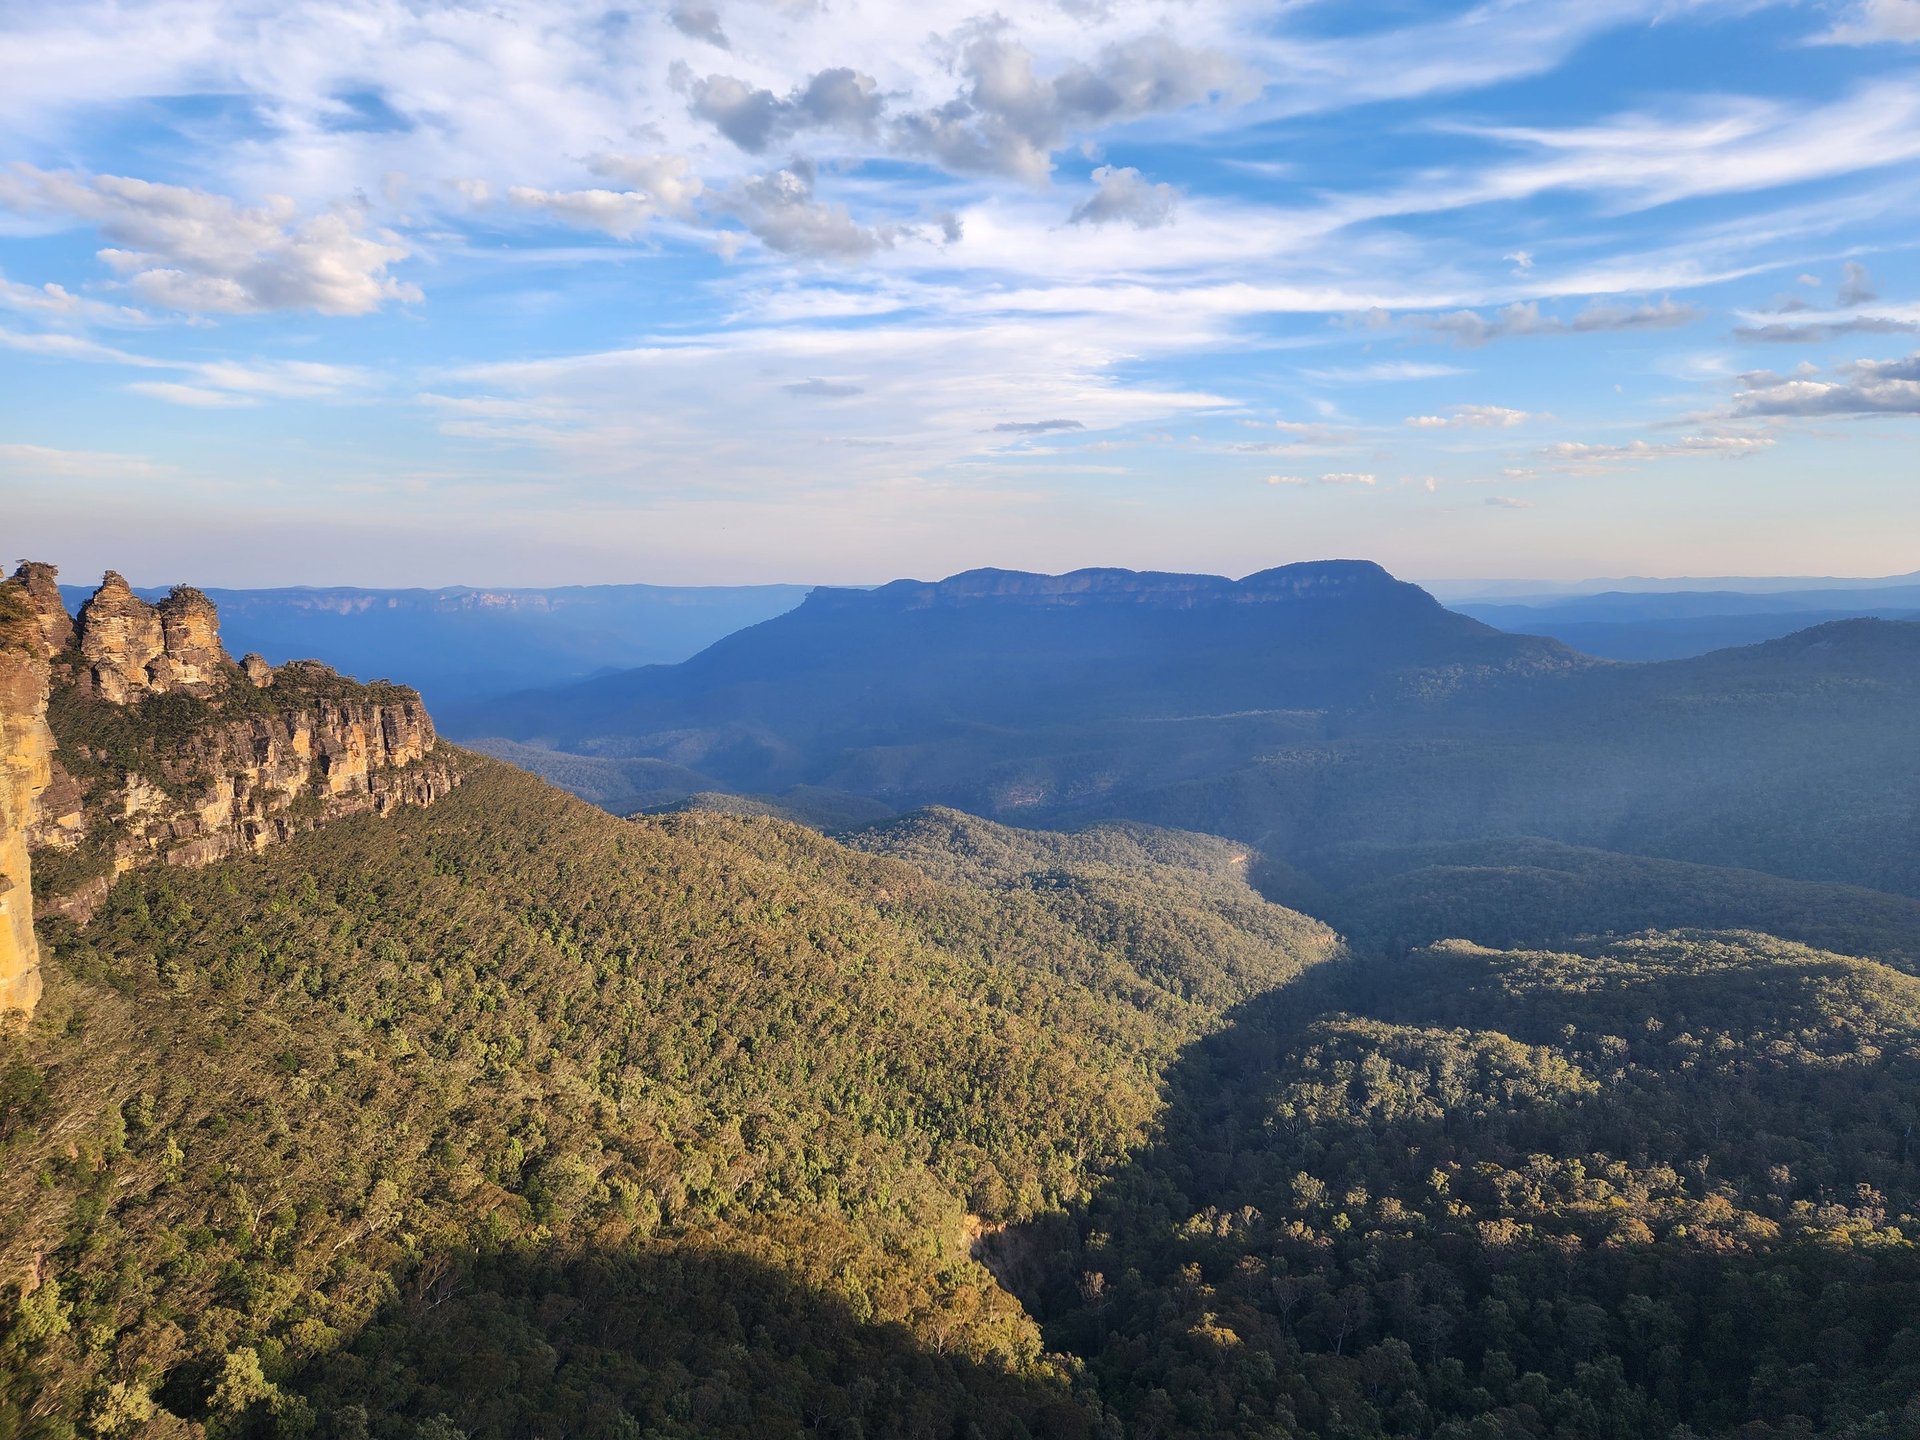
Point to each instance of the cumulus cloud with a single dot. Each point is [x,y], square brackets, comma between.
[667,180]
[1864,387]
[190,250]
[1471,327]
[1008,119]
[781,212]
[1035,427]
[1122,194]
[823,389]
[1473,417]
[699,22]
[838,99]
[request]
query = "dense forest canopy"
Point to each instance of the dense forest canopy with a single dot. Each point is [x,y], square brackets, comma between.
[509,1118]
[512,1037]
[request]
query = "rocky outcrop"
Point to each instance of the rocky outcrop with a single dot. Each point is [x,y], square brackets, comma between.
[192,658]
[132,648]
[240,784]
[26,771]
[40,585]
[109,784]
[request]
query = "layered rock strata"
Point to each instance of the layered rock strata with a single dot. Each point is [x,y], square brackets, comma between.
[104,782]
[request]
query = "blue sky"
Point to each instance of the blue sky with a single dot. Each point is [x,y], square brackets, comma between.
[424,292]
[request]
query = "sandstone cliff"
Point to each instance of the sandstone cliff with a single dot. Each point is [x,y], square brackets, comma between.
[26,750]
[131,738]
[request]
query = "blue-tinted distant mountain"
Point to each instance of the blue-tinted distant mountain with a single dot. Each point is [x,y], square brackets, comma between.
[971,661]
[1528,592]
[1673,624]
[1300,709]
[462,642]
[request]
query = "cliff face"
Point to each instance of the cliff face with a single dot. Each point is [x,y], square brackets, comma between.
[26,751]
[132,738]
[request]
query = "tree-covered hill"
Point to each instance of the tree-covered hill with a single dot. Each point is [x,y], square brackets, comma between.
[1665,1186]
[514,1112]
[1539,892]
[509,1118]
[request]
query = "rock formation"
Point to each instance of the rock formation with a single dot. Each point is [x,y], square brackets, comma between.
[26,751]
[109,786]
[192,657]
[134,649]
[41,585]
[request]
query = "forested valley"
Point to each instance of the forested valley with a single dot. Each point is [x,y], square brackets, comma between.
[509,1118]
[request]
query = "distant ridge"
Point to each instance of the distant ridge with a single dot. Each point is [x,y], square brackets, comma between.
[1318,579]
[981,655]
[461,642]
[1522,590]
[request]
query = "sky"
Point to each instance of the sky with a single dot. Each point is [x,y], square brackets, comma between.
[538,292]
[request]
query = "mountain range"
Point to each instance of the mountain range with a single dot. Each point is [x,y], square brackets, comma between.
[1300,710]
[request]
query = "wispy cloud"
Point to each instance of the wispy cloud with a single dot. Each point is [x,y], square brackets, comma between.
[1473,417]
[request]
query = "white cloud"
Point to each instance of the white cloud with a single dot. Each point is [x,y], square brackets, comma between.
[193,396]
[1864,387]
[1122,194]
[73,347]
[1874,21]
[930,396]
[1473,417]
[282,379]
[1470,327]
[1509,502]
[1384,370]
[780,210]
[57,303]
[620,213]
[199,252]
[1576,458]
